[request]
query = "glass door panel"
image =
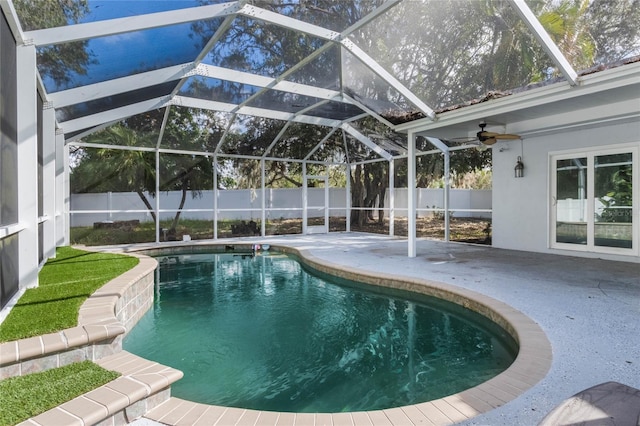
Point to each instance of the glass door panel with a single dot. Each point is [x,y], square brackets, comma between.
[571,201]
[613,200]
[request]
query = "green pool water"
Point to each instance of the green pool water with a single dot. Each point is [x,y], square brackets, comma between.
[261,332]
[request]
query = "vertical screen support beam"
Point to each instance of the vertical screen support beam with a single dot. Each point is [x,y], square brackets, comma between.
[165,119]
[49,179]
[157,203]
[392,198]
[348,183]
[447,181]
[263,217]
[411,189]
[447,186]
[304,198]
[215,196]
[62,195]
[27,165]
[348,197]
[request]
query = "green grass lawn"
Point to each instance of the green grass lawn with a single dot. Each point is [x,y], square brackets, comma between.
[64,284]
[27,396]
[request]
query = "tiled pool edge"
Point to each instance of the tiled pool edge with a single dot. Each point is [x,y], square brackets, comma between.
[104,318]
[531,365]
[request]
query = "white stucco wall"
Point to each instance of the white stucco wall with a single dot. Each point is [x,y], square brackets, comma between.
[521,206]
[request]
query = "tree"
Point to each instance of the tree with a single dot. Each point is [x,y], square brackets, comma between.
[569,27]
[101,170]
[105,170]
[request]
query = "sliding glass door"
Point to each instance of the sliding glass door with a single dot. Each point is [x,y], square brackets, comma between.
[613,200]
[595,201]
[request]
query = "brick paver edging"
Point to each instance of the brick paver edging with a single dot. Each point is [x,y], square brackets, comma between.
[103,321]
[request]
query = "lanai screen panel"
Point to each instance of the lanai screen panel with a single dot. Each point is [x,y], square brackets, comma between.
[298,140]
[591,33]
[261,48]
[321,71]
[315,62]
[450,52]
[186,196]
[118,100]
[373,92]
[330,14]
[251,136]
[105,58]
[331,151]
[140,130]
[214,89]
[192,130]
[49,14]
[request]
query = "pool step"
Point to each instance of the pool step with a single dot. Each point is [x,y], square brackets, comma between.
[143,386]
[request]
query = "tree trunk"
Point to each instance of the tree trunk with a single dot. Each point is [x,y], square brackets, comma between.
[383,189]
[356,195]
[147,204]
[174,224]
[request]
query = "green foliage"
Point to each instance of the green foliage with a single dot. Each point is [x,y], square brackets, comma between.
[124,170]
[27,396]
[65,282]
[619,200]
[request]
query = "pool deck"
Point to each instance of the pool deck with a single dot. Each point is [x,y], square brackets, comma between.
[589,309]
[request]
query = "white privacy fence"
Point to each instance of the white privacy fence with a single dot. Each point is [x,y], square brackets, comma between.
[245,204]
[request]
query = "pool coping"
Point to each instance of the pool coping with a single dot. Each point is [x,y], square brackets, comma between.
[530,366]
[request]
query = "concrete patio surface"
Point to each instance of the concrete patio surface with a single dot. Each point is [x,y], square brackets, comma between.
[588,308]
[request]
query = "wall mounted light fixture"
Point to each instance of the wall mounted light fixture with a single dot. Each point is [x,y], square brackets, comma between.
[519,168]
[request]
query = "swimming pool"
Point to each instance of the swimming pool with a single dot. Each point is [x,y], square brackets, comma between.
[261,332]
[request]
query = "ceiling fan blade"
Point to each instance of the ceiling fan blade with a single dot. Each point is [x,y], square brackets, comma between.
[484,134]
[506,136]
[489,141]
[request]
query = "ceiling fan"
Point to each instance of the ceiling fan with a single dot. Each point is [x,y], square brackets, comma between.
[487,138]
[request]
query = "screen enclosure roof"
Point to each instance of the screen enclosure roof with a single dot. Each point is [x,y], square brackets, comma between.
[363,68]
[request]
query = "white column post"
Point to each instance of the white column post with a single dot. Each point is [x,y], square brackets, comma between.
[215,197]
[392,198]
[27,165]
[326,202]
[157,195]
[348,196]
[411,190]
[67,193]
[447,186]
[61,190]
[49,179]
[263,224]
[304,198]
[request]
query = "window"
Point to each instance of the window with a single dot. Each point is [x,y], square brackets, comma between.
[595,195]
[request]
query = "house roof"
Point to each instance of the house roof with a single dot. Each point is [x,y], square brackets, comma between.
[312,62]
